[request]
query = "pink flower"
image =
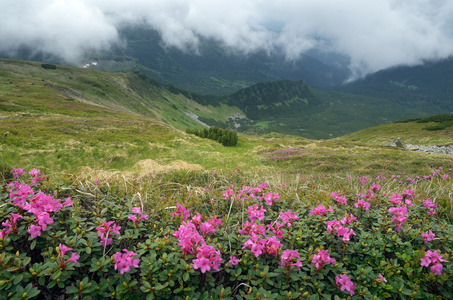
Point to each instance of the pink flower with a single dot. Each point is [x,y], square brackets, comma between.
[340,199]
[270,198]
[206,228]
[347,235]
[382,278]
[188,237]
[272,245]
[255,213]
[17,173]
[34,231]
[289,259]
[322,258]
[63,250]
[375,187]
[181,211]
[396,199]
[344,283]
[68,202]
[362,204]
[288,217]
[207,258]
[348,219]
[428,236]
[135,210]
[433,260]
[105,230]
[125,261]
[74,258]
[278,233]
[234,261]
[320,210]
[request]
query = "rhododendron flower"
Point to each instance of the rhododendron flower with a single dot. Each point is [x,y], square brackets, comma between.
[181,211]
[207,258]
[278,233]
[251,228]
[34,231]
[104,232]
[188,237]
[375,187]
[348,219]
[272,245]
[333,225]
[17,172]
[134,219]
[396,199]
[270,198]
[431,205]
[255,213]
[433,260]
[74,257]
[234,261]
[362,204]
[345,283]
[408,194]
[68,202]
[289,259]
[124,261]
[322,258]
[288,217]
[400,216]
[228,194]
[382,278]
[347,235]
[206,228]
[321,210]
[428,236]
[340,199]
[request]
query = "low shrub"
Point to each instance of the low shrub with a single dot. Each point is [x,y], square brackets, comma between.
[59,240]
[48,66]
[224,136]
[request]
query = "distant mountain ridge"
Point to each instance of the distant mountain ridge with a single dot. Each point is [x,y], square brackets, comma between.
[425,86]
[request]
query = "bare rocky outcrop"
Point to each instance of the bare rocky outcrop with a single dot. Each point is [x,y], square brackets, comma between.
[422,148]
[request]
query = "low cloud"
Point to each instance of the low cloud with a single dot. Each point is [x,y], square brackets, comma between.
[373,34]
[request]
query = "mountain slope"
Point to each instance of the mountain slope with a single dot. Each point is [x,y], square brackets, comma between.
[427,88]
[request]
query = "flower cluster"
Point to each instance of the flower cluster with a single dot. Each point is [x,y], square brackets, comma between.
[432,260]
[321,210]
[137,216]
[290,258]
[428,236]
[344,283]
[322,258]
[40,205]
[207,258]
[124,261]
[63,249]
[288,218]
[431,206]
[335,226]
[105,230]
[340,199]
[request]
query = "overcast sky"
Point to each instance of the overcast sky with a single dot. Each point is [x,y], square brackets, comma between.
[375,34]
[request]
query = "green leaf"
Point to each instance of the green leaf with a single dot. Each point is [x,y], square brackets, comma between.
[33,244]
[55,275]
[18,278]
[72,289]
[186,276]
[150,297]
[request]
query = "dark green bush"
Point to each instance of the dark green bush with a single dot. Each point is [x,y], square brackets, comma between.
[224,136]
[48,66]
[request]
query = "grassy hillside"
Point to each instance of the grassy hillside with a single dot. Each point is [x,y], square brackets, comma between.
[436,130]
